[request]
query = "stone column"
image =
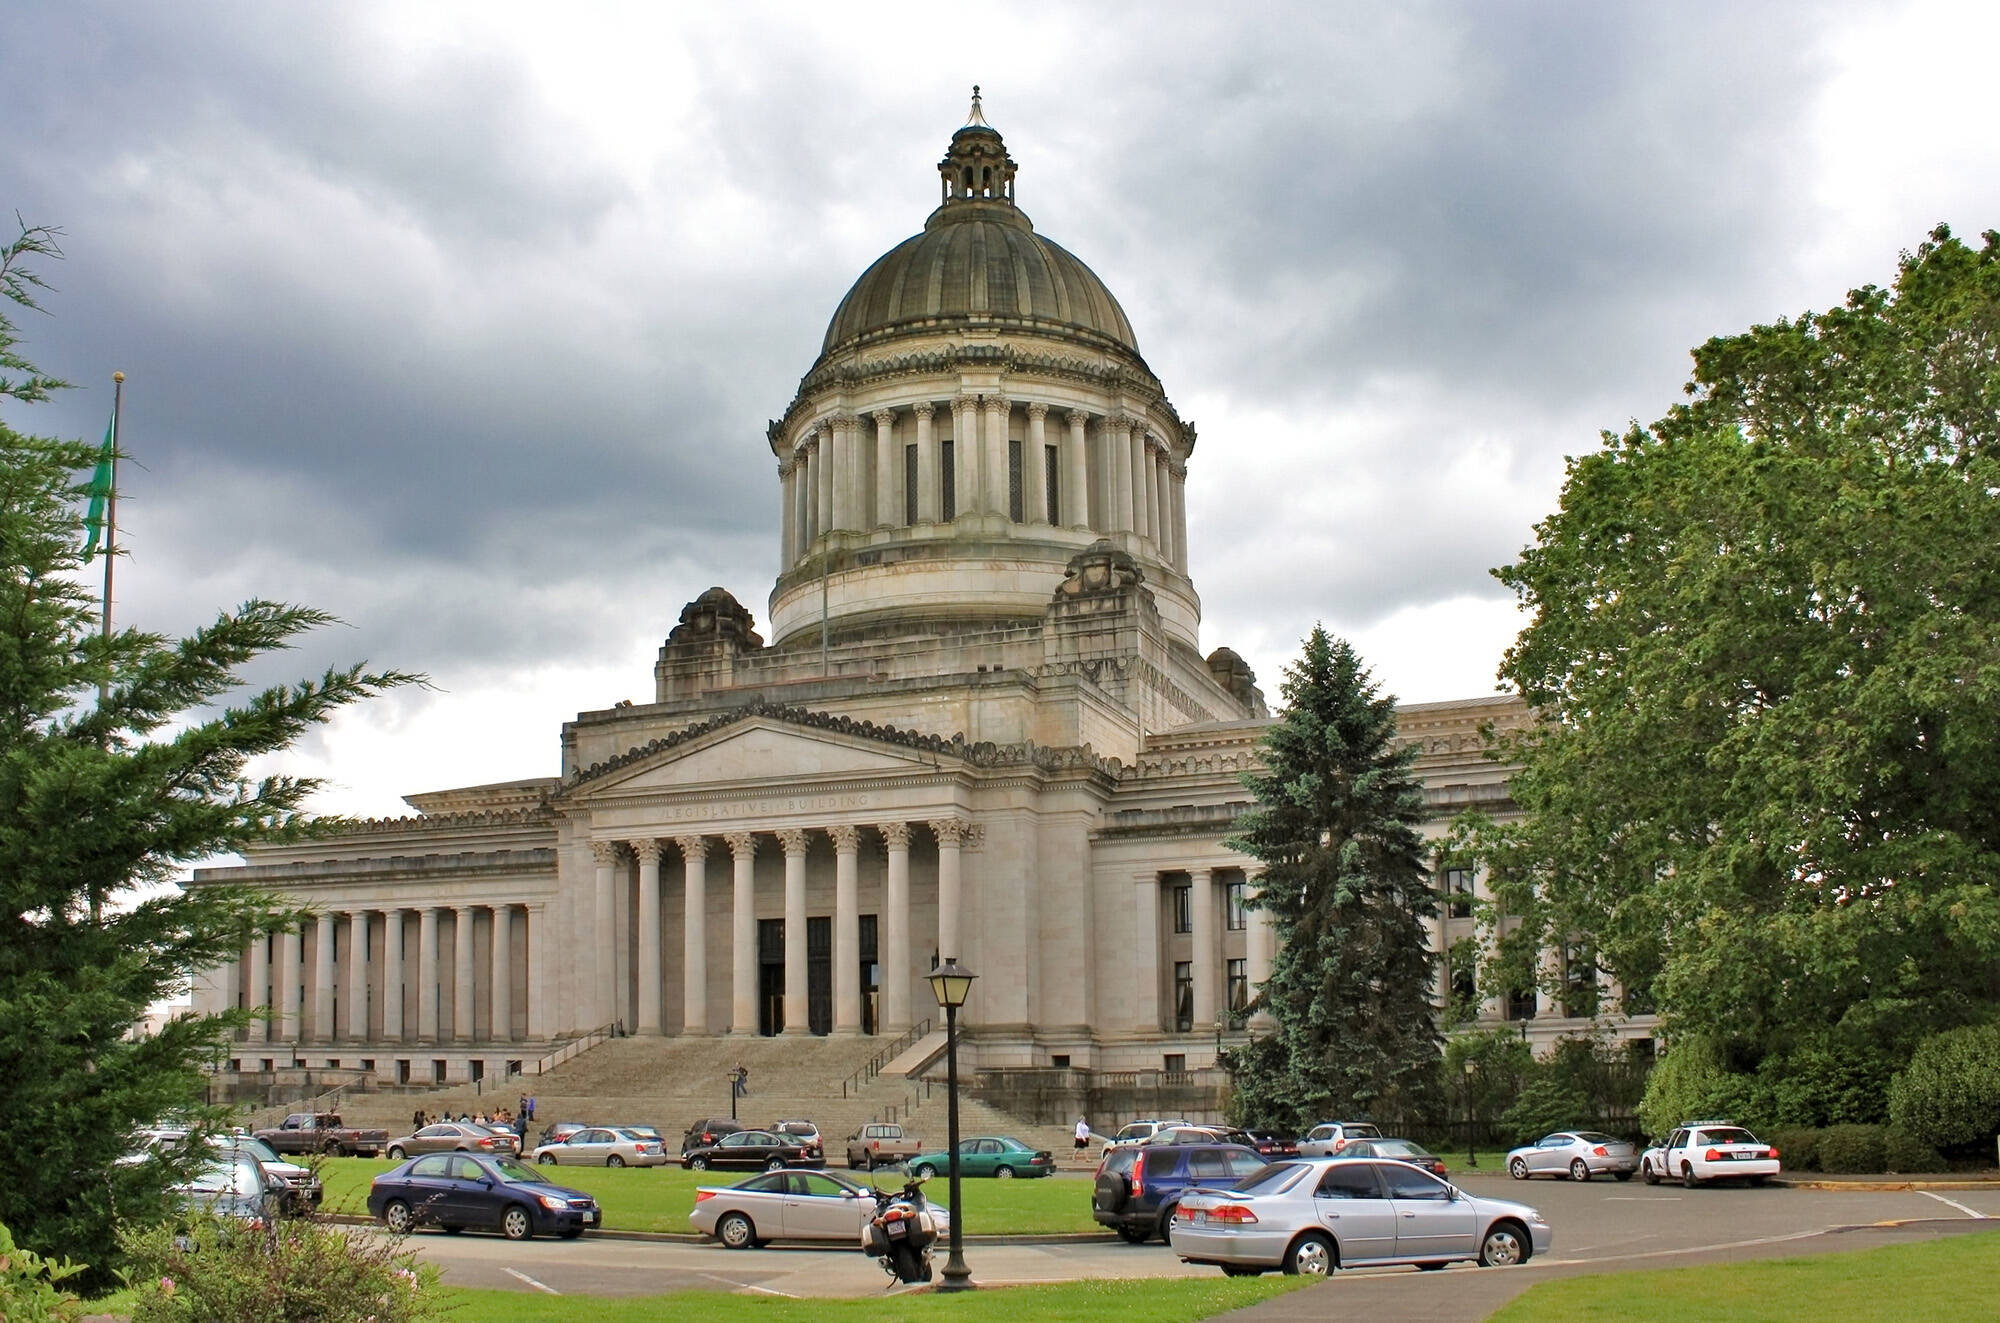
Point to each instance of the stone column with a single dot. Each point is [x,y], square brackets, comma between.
[927,464]
[392,976]
[950,834]
[846,929]
[1035,467]
[788,523]
[323,983]
[462,1026]
[1076,465]
[823,465]
[604,854]
[1207,976]
[1549,1000]
[539,954]
[965,453]
[888,510]
[1118,447]
[427,974]
[795,931]
[1136,441]
[258,994]
[1162,493]
[896,930]
[694,934]
[356,969]
[1493,1006]
[290,977]
[803,481]
[648,853]
[1179,486]
[500,1001]
[845,469]
[743,933]
[993,444]
[1259,946]
[1146,954]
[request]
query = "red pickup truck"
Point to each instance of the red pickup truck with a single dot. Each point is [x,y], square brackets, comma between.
[322,1132]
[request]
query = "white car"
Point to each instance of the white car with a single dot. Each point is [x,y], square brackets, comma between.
[1138,1132]
[1709,1151]
[792,1205]
[602,1146]
[1327,1139]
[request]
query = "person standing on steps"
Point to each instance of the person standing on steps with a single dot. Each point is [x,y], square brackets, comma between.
[1082,1134]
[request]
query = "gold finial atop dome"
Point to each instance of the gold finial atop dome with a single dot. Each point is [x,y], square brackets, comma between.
[976,167]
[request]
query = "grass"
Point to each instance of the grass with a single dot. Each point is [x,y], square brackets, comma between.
[1957,1277]
[660,1198]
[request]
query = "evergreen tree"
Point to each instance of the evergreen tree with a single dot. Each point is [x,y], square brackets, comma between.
[1348,886]
[116,768]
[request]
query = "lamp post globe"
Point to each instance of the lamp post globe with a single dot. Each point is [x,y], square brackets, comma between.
[951,984]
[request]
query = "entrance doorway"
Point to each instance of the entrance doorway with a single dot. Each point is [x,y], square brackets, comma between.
[770,977]
[871,977]
[819,975]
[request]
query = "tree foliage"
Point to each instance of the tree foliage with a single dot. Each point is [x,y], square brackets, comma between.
[1765,655]
[102,800]
[1949,1095]
[1347,883]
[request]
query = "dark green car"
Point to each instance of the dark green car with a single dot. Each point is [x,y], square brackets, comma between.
[996,1155]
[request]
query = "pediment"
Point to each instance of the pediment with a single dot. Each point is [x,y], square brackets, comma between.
[756,751]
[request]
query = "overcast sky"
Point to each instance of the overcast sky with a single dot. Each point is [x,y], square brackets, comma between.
[464,321]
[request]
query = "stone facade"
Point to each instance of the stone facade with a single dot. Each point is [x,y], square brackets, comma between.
[982,729]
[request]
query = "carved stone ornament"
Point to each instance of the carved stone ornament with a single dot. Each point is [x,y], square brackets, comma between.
[793,840]
[693,847]
[605,853]
[845,838]
[895,835]
[716,614]
[1100,568]
[742,844]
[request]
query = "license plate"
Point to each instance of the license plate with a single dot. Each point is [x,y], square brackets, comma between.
[1197,1217]
[898,1229]
[590,1217]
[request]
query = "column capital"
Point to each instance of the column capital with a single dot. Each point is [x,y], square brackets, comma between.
[845,837]
[647,851]
[808,445]
[923,409]
[785,467]
[843,420]
[741,843]
[884,417]
[1037,411]
[605,853]
[694,847]
[950,831]
[896,835]
[1077,417]
[794,841]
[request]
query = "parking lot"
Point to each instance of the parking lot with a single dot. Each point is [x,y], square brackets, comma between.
[1599,1226]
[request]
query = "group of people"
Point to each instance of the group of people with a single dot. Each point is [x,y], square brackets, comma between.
[515,1120]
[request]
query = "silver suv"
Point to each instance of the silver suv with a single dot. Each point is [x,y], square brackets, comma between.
[1327,1139]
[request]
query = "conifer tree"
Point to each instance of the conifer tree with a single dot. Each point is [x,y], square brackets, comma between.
[1347,884]
[117,768]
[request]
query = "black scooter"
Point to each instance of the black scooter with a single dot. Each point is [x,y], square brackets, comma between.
[902,1232]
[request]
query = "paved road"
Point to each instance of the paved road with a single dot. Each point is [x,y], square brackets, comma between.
[1600,1226]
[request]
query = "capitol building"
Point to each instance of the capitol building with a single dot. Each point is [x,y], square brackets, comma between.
[978,722]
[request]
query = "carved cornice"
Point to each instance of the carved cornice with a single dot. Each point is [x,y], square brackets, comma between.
[540,814]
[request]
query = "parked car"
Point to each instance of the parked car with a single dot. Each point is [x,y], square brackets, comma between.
[1402,1150]
[791,1205]
[604,1146]
[231,1185]
[322,1132]
[803,1131]
[1274,1144]
[1313,1216]
[1138,1132]
[298,1189]
[707,1131]
[992,1155]
[1138,1187]
[454,1137]
[1703,1151]
[560,1131]
[1327,1139]
[651,1132]
[881,1144]
[459,1190]
[751,1149]
[1576,1154]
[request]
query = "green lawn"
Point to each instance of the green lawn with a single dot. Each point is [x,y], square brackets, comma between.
[1954,1278]
[660,1198]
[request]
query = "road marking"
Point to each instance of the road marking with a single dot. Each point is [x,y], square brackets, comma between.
[539,1286]
[1642,1198]
[751,1286]
[1969,1212]
[1702,1249]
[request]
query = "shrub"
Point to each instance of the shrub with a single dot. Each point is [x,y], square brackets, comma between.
[28,1285]
[217,1271]
[1798,1146]
[1690,1082]
[1548,1103]
[1903,1152]
[1849,1148]
[1949,1094]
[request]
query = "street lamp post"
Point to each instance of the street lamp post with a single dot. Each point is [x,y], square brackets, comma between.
[1471,1158]
[950,983]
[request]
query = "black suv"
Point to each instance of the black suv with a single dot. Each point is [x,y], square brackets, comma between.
[707,1131]
[1138,1187]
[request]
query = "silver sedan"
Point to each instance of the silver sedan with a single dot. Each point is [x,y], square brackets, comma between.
[604,1146]
[1312,1216]
[790,1205]
[1575,1154]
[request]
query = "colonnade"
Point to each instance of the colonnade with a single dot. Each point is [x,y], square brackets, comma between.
[891,468]
[650,853]
[1208,914]
[344,994]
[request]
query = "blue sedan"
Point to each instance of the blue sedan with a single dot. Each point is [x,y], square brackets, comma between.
[459,1190]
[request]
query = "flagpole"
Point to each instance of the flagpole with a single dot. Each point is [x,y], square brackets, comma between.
[111,521]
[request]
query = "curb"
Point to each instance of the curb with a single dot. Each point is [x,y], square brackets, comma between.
[1878,1186]
[693,1238]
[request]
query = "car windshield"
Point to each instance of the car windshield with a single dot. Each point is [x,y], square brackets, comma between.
[256,1148]
[1397,1147]
[516,1172]
[1733,1135]
[230,1175]
[1363,1132]
[1271,1179]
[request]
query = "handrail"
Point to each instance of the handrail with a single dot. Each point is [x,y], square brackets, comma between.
[896,1048]
[575,1047]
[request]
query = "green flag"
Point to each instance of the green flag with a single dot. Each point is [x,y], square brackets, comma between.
[100,488]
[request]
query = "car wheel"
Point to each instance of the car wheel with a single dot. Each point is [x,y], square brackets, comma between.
[1505,1246]
[698,1164]
[1005,1173]
[614,1161]
[735,1231]
[515,1224]
[1579,1170]
[1312,1255]
[396,1153]
[1647,1174]
[867,1162]
[1166,1223]
[775,1164]
[547,1159]
[924,1172]
[1621,1175]
[1135,1235]
[1518,1169]
[396,1217]
[1687,1175]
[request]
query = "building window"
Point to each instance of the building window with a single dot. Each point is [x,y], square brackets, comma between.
[1059,1061]
[1184,909]
[1239,992]
[909,484]
[1579,981]
[1521,1004]
[1458,887]
[1014,480]
[1051,478]
[1175,1063]
[947,480]
[1232,900]
[1183,996]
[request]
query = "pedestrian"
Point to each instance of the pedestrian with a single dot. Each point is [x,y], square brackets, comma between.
[417,1121]
[1082,1134]
[522,1108]
[739,1080]
[521,1132]
[531,1107]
